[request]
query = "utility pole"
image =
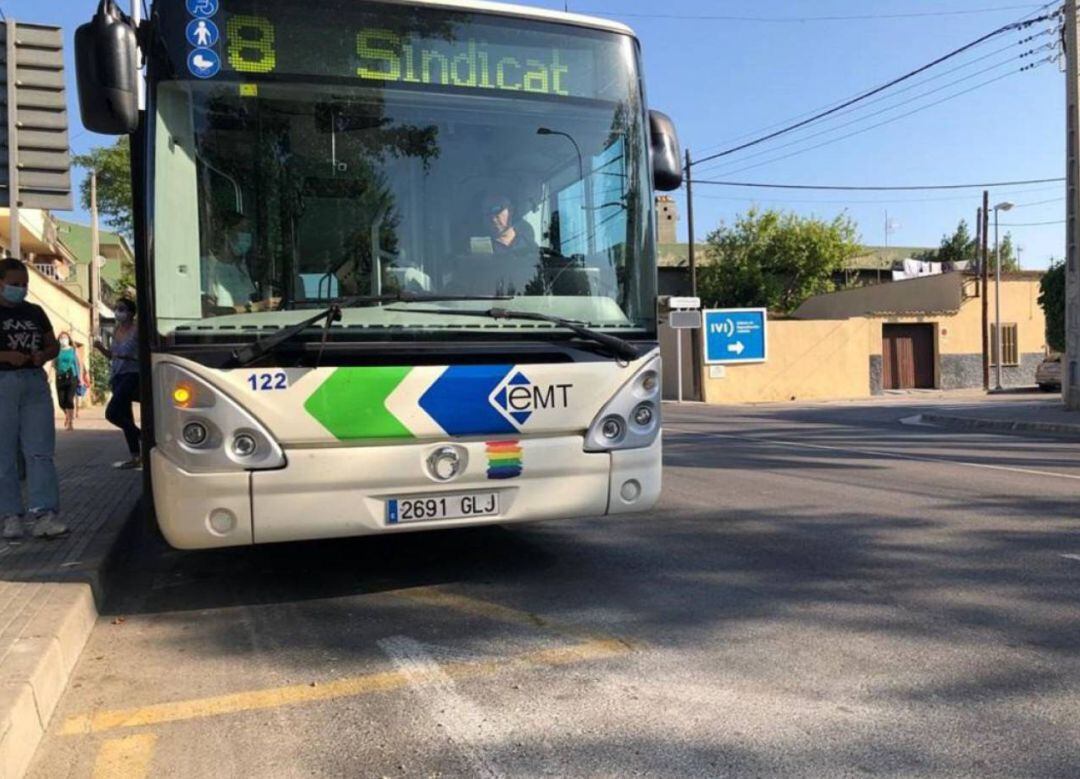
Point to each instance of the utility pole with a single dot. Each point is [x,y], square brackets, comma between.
[984,293]
[95,250]
[886,245]
[690,224]
[984,228]
[1070,384]
[695,343]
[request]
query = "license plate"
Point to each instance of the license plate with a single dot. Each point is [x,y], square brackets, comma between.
[428,508]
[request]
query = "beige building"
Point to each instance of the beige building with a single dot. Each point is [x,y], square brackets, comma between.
[53,274]
[923,333]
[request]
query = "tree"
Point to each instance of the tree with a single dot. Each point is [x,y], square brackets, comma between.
[113,166]
[960,246]
[775,260]
[1052,300]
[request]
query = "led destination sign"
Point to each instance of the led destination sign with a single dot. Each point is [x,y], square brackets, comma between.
[386,56]
[392,45]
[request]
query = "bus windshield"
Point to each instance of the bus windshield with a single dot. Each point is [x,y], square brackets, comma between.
[310,153]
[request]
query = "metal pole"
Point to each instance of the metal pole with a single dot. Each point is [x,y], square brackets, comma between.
[95,250]
[1070,387]
[984,261]
[690,224]
[886,245]
[984,293]
[14,229]
[678,361]
[997,300]
[136,19]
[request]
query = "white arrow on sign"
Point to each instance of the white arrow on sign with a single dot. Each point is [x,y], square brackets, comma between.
[736,347]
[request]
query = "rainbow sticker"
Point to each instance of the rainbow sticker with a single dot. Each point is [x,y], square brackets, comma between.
[505,459]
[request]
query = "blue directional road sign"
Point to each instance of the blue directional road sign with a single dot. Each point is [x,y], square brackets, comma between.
[734,335]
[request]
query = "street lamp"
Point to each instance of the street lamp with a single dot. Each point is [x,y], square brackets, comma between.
[586,183]
[1006,206]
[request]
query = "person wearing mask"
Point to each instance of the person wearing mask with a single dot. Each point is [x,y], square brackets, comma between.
[227,284]
[69,375]
[124,380]
[27,342]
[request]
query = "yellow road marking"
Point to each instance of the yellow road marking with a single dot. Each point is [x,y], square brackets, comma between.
[177,711]
[432,596]
[125,758]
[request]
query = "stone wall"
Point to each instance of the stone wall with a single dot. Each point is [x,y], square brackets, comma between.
[964,371]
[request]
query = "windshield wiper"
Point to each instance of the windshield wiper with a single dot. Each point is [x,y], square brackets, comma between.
[624,350]
[262,346]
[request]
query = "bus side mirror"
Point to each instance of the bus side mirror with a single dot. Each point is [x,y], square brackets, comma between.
[666,156]
[106,63]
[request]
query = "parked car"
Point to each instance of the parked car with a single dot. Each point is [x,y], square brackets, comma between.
[1048,374]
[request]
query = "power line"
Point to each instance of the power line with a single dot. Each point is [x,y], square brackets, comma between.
[878,201]
[1039,202]
[876,125]
[872,114]
[1033,224]
[882,88]
[891,188]
[760,130]
[804,19]
[813,111]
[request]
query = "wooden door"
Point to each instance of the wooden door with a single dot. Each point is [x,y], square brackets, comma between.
[907,353]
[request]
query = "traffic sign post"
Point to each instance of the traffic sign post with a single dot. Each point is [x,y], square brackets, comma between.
[35,163]
[684,314]
[735,335]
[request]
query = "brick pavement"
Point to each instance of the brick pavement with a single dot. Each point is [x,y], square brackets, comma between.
[49,589]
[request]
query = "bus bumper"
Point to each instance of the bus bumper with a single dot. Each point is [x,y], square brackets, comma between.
[343,491]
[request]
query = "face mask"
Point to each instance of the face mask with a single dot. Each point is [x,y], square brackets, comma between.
[241,243]
[13,294]
[65,342]
[123,316]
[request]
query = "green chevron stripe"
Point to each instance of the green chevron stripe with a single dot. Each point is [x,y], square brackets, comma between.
[351,404]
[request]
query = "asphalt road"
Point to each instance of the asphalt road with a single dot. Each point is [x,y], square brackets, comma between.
[823,592]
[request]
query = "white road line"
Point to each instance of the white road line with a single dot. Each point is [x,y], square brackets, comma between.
[877,452]
[462,720]
[1072,557]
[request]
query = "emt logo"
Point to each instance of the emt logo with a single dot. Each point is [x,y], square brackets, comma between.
[517,398]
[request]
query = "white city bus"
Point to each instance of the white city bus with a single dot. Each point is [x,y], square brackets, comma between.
[396,262]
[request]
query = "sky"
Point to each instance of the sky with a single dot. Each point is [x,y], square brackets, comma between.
[725,80]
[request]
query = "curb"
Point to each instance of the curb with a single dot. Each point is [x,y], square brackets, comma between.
[1001,425]
[36,672]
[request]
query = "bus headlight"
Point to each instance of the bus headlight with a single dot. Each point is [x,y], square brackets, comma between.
[245,445]
[631,419]
[195,433]
[202,429]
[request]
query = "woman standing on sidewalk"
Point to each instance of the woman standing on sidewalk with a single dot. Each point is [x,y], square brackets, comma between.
[26,416]
[124,379]
[69,375]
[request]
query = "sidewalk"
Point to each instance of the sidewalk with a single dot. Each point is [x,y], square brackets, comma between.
[1010,414]
[49,590]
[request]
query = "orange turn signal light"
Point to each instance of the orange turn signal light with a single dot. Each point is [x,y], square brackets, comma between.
[182,396]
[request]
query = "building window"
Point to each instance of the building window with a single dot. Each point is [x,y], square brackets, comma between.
[1010,345]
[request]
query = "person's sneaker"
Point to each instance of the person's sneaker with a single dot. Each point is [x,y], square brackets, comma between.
[134,464]
[13,528]
[48,526]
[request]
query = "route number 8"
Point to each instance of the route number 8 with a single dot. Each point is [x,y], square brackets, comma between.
[251,44]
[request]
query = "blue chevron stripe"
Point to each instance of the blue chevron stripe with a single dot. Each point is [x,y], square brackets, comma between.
[459,400]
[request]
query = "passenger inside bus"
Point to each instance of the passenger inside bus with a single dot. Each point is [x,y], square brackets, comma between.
[227,285]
